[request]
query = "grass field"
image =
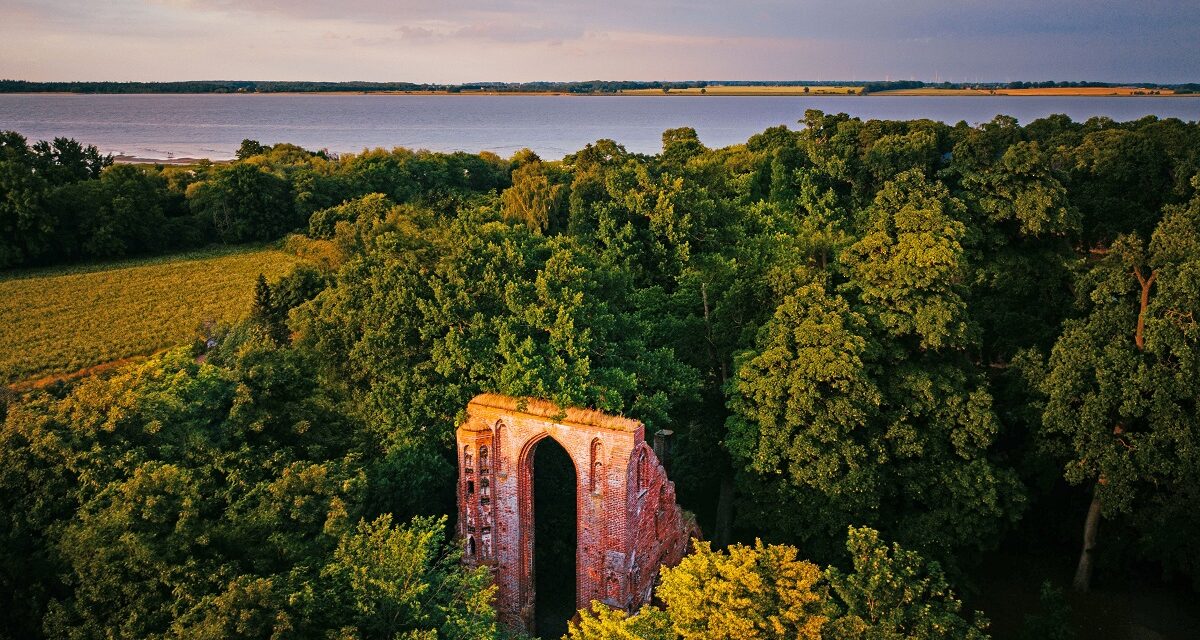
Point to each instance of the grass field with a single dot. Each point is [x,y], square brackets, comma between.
[750,90]
[1057,91]
[66,319]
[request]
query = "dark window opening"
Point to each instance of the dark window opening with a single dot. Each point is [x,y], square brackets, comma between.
[596,479]
[497,440]
[555,538]
[643,471]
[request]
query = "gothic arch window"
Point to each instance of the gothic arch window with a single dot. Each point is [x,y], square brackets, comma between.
[485,488]
[467,456]
[497,440]
[637,472]
[470,487]
[483,458]
[596,479]
[660,511]
[471,546]
[643,470]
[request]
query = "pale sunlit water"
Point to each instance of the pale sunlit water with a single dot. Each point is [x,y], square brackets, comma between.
[212,126]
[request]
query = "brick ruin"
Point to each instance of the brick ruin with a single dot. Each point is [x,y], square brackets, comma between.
[627,521]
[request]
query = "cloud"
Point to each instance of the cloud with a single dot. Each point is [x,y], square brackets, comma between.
[468,40]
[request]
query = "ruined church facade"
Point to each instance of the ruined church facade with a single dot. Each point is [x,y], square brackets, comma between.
[628,524]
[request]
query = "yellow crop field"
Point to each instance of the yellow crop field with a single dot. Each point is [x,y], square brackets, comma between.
[1048,91]
[750,90]
[66,319]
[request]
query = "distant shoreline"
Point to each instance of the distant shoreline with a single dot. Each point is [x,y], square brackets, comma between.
[907,93]
[123,158]
[594,87]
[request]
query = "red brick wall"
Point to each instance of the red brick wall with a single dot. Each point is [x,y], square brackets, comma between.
[628,522]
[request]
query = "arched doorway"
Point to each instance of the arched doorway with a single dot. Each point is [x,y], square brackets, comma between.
[554,538]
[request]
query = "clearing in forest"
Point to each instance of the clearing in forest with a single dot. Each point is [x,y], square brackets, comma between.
[65,319]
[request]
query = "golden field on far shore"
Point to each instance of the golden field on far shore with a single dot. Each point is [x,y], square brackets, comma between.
[750,90]
[1052,91]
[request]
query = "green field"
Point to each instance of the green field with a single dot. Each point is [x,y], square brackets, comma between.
[66,319]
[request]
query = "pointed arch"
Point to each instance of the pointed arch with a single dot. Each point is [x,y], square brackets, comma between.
[497,445]
[596,477]
[641,468]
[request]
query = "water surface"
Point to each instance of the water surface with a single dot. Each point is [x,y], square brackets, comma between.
[212,125]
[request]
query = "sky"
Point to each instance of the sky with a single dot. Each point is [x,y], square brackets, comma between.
[454,41]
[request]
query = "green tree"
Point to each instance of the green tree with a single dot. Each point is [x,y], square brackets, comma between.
[894,594]
[360,212]
[121,213]
[1021,188]
[537,197]
[1122,382]
[763,591]
[250,148]
[26,225]
[604,623]
[64,160]
[805,397]
[860,406]
[680,145]
[908,269]
[245,202]
[270,315]
[402,582]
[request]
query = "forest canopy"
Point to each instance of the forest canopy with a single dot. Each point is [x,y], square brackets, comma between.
[942,339]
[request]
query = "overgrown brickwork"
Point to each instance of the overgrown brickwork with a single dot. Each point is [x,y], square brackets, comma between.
[627,520]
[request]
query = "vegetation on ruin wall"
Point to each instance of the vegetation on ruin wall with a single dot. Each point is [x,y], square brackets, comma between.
[63,319]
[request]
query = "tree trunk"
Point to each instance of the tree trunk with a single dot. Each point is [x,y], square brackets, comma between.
[1138,337]
[724,526]
[1083,573]
[712,343]
[721,536]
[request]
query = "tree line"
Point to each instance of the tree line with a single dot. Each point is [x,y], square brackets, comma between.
[285,86]
[577,87]
[61,201]
[939,338]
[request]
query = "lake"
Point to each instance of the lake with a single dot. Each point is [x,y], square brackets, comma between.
[213,125]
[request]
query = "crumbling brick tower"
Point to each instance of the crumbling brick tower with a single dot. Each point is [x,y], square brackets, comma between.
[627,520]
